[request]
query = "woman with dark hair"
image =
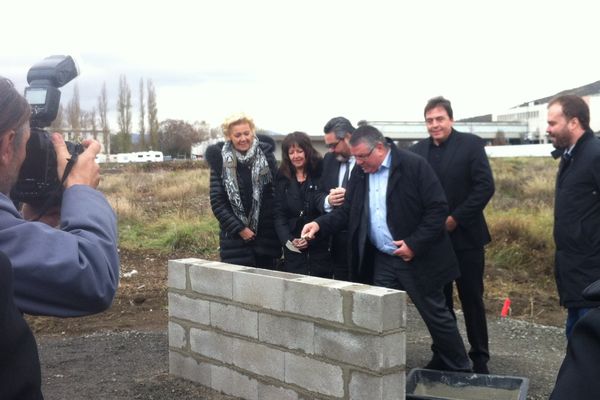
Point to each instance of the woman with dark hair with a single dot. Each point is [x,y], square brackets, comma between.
[297,194]
[242,172]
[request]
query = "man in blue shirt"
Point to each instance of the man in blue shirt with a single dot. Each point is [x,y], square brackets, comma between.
[399,235]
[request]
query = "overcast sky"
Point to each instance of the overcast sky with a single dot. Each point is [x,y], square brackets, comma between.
[294,65]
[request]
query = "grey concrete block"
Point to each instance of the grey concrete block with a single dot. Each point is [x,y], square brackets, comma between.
[212,345]
[314,375]
[287,332]
[177,336]
[379,309]
[268,392]
[234,319]
[258,289]
[258,358]
[176,278]
[234,383]
[195,310]
[188,368]
[387,387]
[214,278]
[315,298]
[374,352]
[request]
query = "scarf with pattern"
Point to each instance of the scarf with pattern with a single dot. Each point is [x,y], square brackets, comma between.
[256,161]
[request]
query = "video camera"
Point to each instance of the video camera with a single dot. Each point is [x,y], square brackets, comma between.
[38,179]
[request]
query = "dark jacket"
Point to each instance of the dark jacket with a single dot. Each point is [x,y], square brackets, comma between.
[233,249]
[578,374]
[577,223]
[416,213]
[468,183]
[20,377]
[295,205]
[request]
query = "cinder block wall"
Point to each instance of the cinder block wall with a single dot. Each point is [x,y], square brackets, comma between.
[268,335]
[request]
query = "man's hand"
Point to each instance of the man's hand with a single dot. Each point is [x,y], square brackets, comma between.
[336,196]
[300,244]
[85,171]
[451,223]
[309,230]
[403,250]
[247,234]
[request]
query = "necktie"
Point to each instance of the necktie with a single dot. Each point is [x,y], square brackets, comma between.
[346,174]
[565,162]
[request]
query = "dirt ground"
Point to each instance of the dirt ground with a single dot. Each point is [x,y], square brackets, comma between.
[122,353]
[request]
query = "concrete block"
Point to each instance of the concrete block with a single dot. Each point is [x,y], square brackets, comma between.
[374,352]
[314,375]
[188,368]
[234,319]
[177,336]
[287,332]
[379,309]
[258,358]
[195,310]
[214,278]
[313,297]
[258,289]
[233,383]
[387,387]
[212,345]
[177,277]
[268,392]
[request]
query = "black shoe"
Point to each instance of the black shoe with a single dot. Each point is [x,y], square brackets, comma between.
[480,368]
[436,364]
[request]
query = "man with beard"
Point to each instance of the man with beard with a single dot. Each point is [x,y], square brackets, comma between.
[337,168]
[576,205]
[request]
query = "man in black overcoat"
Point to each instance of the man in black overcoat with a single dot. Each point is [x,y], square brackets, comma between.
[578,374]
[395,210]
[576,204]
[461,164]
[337,169]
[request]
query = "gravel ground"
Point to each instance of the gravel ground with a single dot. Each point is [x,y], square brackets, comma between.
[134,364]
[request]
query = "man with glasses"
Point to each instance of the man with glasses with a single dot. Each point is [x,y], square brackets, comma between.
[337,169]
[461,165]
[395,210]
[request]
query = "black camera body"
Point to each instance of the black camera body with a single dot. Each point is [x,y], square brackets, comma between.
[38,179]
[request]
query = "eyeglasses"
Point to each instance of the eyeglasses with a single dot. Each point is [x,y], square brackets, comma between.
[332,146]
[363,157]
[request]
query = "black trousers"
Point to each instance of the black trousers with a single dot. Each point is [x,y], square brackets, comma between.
[470,292]
[339,254]
[448,346]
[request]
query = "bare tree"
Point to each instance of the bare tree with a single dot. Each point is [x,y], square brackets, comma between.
[142,117]
[152,116]
[124,113]
[93,123]
[177,137]
[74,114]
[103,114]
[59,122]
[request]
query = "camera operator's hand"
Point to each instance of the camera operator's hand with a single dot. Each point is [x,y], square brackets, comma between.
[85,171]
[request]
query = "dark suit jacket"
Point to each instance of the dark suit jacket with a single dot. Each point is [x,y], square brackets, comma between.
[416,213]
[20,376]
[578,374]
[468,184]
[331,172]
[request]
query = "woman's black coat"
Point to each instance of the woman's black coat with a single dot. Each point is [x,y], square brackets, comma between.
[233,249]
[296,205]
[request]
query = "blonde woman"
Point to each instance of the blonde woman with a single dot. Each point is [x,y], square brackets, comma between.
[243,169]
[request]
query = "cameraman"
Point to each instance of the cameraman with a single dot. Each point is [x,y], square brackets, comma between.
[64,272]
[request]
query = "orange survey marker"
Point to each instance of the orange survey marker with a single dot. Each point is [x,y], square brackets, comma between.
[505,308]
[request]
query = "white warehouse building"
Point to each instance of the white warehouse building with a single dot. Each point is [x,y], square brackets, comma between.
[534,113]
